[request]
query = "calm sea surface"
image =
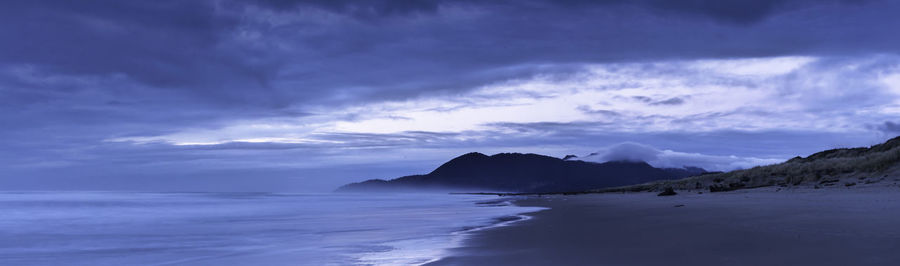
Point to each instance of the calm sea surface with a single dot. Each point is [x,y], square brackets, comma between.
[114,228]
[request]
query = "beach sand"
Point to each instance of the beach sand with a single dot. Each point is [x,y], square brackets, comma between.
[749,227]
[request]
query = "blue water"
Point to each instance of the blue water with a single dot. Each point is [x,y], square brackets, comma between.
[113,228]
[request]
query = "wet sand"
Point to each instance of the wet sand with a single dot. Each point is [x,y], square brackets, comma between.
[752,227]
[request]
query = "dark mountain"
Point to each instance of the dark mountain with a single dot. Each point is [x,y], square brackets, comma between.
[515,172]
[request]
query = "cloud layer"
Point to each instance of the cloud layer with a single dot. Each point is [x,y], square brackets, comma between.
[102,90]
[635,152]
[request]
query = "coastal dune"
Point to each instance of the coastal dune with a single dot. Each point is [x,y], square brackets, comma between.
[747,227]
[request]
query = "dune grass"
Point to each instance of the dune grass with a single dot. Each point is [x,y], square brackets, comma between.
[823,167]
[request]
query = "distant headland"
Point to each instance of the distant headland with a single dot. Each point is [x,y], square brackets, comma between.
[530,173]
[518,173]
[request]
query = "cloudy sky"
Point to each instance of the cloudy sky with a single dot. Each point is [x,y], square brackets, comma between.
[281,95]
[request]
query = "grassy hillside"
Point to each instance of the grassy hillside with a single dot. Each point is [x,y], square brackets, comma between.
[844,167]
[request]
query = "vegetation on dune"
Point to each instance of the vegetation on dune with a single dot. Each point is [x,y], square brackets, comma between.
[823,168]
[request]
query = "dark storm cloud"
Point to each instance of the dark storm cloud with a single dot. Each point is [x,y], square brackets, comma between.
[75,74]
[741,11]
[588,110]
[651,101]
[670,101]
[889,127]
[642,98]
[160,43]
[363,9]
[199,48]
[450,50]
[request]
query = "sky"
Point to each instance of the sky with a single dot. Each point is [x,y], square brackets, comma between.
[304,96]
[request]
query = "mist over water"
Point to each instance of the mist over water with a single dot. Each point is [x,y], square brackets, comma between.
[118,228]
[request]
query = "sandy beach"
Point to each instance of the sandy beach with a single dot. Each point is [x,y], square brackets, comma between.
[751,227]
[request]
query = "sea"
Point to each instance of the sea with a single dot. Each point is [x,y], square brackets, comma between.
[127,228]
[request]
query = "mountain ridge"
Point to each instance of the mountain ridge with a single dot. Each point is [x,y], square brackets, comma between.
[525,172]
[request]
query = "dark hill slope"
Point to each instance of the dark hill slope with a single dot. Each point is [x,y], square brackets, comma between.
[846,166]
[515,172]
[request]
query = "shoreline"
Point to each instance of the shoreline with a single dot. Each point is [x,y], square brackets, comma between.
[425,249]
[747,227]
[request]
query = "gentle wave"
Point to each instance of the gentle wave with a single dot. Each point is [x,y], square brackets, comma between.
[113,228]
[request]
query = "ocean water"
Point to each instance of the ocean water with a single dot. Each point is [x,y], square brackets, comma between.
[115,228]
